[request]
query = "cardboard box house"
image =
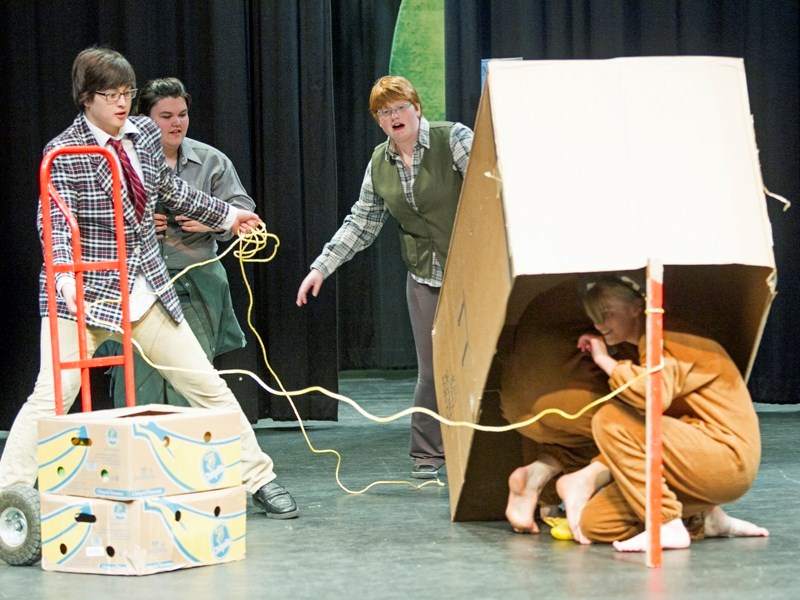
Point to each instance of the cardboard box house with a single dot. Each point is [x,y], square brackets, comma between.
[584,167]
[150,450]
[143,536]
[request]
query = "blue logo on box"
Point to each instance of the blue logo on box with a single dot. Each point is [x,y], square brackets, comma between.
[213,467]
[220,542]
[120,511]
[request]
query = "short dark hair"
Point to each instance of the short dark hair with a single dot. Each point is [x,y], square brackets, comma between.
[158,89]
[96,69]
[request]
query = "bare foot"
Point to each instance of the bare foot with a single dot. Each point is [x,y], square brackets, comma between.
[524,486]
[719,524]
[575,490]
[674,536]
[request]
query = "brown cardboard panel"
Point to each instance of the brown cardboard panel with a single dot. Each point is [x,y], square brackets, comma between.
[731,302]
[471,312]
[491,459]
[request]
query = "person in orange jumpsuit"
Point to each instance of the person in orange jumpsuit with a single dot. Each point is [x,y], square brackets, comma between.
[711,440]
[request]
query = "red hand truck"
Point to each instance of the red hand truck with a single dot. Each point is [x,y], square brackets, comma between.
[20,536]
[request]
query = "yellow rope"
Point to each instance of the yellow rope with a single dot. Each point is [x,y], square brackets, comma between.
[249,245]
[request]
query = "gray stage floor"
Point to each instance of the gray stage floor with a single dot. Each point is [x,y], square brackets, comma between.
[398,542]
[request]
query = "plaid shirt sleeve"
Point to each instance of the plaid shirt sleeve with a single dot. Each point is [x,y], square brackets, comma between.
[461,144]
[358,231]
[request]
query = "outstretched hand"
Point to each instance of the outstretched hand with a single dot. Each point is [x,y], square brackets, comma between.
[312,283]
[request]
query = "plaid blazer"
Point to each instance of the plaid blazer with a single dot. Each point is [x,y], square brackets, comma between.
[84,183]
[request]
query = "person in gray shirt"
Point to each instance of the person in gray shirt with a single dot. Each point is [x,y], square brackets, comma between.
[204,291]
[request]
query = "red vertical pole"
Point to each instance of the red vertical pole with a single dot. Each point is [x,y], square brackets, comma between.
[654,410]
[50,278]
[50,199]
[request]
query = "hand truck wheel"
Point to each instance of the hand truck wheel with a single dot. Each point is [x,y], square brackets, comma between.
[20,527]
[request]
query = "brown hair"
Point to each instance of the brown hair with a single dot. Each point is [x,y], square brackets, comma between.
[390,89]
[158,89]
[96,69]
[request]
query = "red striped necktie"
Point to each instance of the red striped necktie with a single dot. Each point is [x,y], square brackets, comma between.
[136,191]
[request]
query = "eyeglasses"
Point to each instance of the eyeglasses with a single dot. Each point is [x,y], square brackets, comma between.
[392,112]
[112,97]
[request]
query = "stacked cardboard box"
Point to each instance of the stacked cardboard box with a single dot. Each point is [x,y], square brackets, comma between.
[140,490]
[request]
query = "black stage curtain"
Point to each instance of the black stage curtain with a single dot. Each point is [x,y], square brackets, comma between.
[282,87]
[261,80]
[374,329]
[295,157]
[765,34]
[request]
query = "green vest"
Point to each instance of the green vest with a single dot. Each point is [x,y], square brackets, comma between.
[436,190]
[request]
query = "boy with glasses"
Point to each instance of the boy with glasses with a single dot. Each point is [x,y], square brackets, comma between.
[103,87]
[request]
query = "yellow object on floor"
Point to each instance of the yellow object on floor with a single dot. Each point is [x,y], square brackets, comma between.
[559,528]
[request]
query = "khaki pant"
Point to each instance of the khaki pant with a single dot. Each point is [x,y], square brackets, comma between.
[166,343]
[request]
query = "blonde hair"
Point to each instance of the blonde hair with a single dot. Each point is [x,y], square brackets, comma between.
[621,290]
[390,89]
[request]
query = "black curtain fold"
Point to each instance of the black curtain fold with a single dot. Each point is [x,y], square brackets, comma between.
[374,329]
[296,156]
[764,34]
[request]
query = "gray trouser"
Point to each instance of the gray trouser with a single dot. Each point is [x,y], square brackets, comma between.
[426,433]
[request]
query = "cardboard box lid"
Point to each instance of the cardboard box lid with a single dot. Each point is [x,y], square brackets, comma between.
[145,412]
